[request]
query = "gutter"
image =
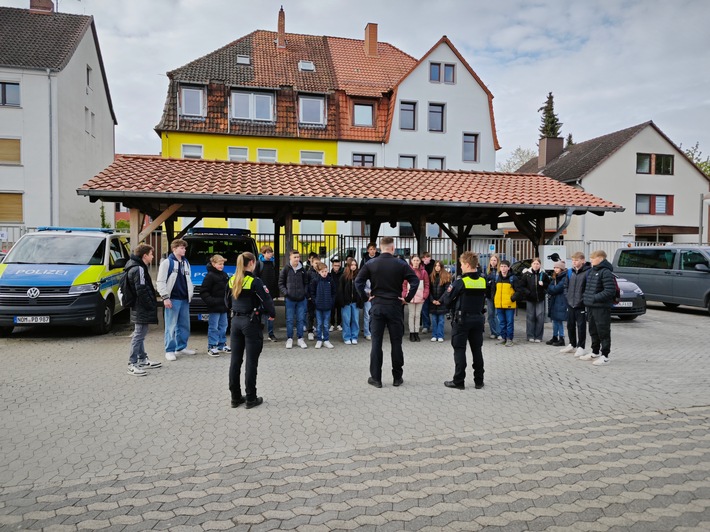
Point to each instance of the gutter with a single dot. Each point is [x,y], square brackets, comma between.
[568,219]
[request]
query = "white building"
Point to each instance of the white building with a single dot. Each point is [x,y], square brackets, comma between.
[56,117]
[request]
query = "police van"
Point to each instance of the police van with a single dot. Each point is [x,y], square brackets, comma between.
[63,276]
[202,244]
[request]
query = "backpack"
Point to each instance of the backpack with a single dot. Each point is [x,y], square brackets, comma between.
[126,291]
[617,291]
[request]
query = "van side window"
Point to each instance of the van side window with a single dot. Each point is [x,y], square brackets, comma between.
[689,258]
[647,258]
[116,251]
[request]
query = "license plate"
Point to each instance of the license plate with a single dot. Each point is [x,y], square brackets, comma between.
[625,304]
[203,317]
[31,319]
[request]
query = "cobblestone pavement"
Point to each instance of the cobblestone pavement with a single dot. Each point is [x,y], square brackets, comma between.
[551,443]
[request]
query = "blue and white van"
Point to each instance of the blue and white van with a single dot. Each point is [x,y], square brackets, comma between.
[63,276]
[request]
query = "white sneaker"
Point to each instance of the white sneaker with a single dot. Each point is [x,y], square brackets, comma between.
[328,345]
[354,342]
[347,342]
[493,337]
[439,339]
[538,341]
[146,363]
[319,344]
[424,330]
[310,336]
[133,369]
[368,337]
[213,352]
[433,339]
[590,356]
[170,355]
[602,361]
[340,327]
[302,343]
[186,351]
[580,352]
[226,349]
[531,340]
[500,338]
[289,343]
[569,349]
[331,328]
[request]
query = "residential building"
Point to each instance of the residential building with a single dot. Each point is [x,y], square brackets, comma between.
[303,99]
[56,117]
[639,168]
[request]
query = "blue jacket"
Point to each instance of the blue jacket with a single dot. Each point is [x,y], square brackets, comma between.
[558,297]
[322,291]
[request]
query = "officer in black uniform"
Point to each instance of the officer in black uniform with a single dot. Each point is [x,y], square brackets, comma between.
[248,298]
[466,297]
[386,274]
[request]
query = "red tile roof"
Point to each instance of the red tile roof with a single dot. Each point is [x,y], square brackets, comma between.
[142,176]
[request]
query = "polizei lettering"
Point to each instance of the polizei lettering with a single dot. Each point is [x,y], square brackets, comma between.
[41,272]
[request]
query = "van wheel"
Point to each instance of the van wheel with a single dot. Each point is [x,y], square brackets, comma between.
[106,322]
[671,305]
[6,331]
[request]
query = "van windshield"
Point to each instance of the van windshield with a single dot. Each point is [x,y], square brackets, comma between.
[199,251]
[58,249]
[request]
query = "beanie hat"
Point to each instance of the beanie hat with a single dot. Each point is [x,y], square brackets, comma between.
[560,264]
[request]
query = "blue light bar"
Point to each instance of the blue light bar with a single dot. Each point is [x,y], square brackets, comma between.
[219,231]
[72,229]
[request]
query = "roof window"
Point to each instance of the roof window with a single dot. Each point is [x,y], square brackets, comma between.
[243,60]
[306,66]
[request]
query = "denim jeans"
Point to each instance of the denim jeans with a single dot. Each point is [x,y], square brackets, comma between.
[351,317]
[535,320]
[558,328]
[366,318]
[437,325]
[426,316]
[217,330]
[323,325]
[299,309]
[506,319]
[140,331]
[177,325]
[269,323]
[493,322]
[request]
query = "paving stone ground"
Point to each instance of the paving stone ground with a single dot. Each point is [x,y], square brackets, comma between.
[551,443]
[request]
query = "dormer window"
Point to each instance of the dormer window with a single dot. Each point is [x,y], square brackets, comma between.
[243,60]
[311,110]
[363,114]
[253,106]
[306,66]
[192,101]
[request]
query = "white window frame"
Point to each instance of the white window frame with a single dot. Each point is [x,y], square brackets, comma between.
[235,156]
[263,158]
[201,92]
[321,101]
[312,157]
[371,107]
[304,65]
[252,106]
[190,148]
[404,156]
[243,59]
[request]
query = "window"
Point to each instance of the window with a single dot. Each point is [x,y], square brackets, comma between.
[10,151]
[311,227]
[253,106]
[690,258]
[435,163]
[654,204]
[311,110]
[664,164]
[191,151]
[407,115]
[243,60]
[192,101]
[312,157]
[306,66]
[662,259]
[266,156]
[449,73]
[264,225]
[407,161]
[470,147]
[643,163]
[88,76]
[436,117]
[9,93]
[238,154]
[363,159]
[363,114]
[11,208]
[435,72]
[647,163]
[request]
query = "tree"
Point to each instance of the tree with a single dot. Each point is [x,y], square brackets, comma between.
[517,158]
[696,156]
[551,125]
[570,142]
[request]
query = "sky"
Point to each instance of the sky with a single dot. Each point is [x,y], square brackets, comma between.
[610,64]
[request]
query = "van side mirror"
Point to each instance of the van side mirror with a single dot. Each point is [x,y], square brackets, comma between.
[120,263]
[702,268]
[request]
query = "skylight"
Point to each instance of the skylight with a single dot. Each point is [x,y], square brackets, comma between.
[243,60]
[306,66]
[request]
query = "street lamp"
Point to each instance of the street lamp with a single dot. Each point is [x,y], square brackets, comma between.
[703,198]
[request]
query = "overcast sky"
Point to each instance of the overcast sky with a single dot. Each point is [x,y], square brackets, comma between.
[610,64]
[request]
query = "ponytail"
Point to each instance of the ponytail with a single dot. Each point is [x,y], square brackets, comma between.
[242,261]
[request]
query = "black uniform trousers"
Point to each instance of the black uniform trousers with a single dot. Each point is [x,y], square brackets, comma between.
[600,329]
[577,326]
[468,330]
[245,336]
[386,314]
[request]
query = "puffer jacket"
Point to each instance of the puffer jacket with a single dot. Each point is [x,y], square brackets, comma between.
[436,293]
[503,290]
[529,285]
[322,291]
[266,271]
[145,309]
[422,292]
[347,293]
[558,297]
[293,284]
[213,288]
[576,285]
[490,282]
[601,288]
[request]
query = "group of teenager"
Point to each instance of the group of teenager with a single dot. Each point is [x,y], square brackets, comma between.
[582,296]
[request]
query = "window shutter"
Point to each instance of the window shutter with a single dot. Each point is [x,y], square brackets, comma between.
[669,204]
[11,208]
[10,151]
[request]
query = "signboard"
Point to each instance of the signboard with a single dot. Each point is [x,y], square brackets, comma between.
[551,254]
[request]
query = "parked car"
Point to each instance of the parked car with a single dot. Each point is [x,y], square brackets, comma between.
[2,255]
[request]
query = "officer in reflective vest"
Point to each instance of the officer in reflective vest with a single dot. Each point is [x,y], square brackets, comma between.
[247,297]
[466,297]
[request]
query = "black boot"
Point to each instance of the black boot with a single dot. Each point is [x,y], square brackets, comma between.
[416,337]
[411,337]
[552,341]
[560,342]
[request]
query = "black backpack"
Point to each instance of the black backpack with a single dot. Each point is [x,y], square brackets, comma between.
[126,291]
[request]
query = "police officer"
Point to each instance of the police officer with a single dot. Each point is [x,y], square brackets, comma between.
[248,298]
[466,297]
[386,274]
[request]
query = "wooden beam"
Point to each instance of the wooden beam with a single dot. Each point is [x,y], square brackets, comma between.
[189,226]
[135,217]
[157,222]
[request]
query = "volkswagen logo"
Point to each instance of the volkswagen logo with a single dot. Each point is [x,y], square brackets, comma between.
[33,293]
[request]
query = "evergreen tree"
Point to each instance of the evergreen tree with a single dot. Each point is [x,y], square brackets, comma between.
[570,142]
[551,125]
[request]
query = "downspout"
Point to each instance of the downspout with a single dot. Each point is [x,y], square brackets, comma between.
[51,151]
[568,219]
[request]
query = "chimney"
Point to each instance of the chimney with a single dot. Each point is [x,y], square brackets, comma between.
[550,147]
[281,37]
[371,39]
[44,7]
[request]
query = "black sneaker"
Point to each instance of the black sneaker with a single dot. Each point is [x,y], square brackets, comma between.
[255,402]
[272,338]
[240,401]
